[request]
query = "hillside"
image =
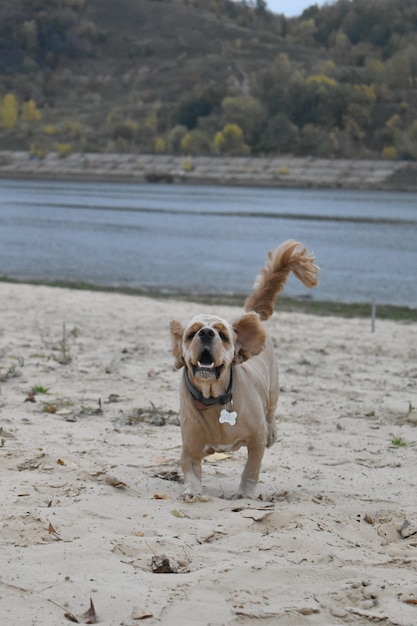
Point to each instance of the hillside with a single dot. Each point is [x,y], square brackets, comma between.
[209,77]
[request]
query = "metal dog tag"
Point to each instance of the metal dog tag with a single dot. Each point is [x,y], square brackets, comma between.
[227,417]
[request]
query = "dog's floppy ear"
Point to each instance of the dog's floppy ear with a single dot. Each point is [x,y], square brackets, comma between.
[251,337]
[177,331]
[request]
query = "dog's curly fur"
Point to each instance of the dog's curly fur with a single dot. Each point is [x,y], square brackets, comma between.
[233,365]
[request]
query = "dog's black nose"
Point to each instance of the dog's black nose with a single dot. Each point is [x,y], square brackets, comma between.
[206,334]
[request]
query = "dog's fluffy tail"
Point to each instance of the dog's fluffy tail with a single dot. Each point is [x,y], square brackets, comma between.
[291,256]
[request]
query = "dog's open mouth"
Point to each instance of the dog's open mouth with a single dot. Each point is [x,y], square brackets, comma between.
[205,367]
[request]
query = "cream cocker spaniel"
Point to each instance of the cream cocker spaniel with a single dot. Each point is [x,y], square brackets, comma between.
[229,389]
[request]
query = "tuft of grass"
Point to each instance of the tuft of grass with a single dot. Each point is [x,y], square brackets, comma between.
[64,350]
[398,442]
[39,389]
[12,371]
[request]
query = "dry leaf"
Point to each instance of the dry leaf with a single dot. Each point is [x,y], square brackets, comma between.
[158,459]
[114,482]
[30,397]
[90,617]
[50,408]
[64,412]
[138,533]
[217,456]
[61,462]
[157,496]
[258,515]
[139,614]
[410,601]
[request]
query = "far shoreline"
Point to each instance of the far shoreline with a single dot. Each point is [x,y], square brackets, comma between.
[283,172]
[305,305]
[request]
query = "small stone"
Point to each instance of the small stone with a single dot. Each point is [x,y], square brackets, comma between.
[338,612]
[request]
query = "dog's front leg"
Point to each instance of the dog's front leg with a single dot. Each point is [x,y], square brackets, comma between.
[250,474]
[193,489]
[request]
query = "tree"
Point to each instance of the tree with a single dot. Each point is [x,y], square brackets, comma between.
[272,84]
[279,135]
[247,112]
[9,111]
[409,147]
[261,7]
[200,103]
[175,137]
[160,145]
[230,141]
[29,35]
[401,68]
[195,142]
[315,141]
[340,48]
[304,31]
[302,101]
[30,113]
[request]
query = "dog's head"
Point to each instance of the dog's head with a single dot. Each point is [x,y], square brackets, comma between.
[209,345]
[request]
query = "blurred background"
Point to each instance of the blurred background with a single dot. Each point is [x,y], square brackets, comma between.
[327,83]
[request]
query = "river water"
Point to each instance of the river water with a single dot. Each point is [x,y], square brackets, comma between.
[208,240]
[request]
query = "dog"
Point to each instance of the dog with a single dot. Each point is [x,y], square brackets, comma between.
[229,388]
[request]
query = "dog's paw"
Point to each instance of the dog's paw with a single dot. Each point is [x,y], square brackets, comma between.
[239,495]
[247,489]
[191,498]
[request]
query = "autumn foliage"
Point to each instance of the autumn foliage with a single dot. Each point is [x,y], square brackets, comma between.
[212,78]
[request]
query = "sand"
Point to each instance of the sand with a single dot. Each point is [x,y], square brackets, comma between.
[89,473]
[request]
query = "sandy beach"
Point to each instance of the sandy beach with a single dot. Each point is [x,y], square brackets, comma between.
[89,459]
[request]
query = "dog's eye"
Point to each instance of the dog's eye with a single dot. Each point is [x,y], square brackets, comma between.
[224,337]
[191,336]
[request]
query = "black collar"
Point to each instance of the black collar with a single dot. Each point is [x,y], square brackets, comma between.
[203,403]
